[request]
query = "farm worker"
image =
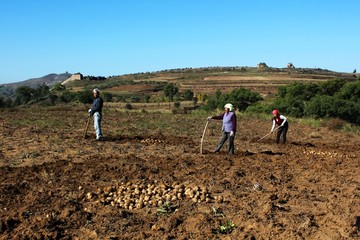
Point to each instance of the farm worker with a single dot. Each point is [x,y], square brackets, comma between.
[283,124]
[96,111]
[228,128]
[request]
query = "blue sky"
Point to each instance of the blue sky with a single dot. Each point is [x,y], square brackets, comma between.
[115,37]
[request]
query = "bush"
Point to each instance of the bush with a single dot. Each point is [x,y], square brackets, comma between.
[23,95]
[320,107]
[332,86]
[188,95]
[170,90]
[128,106]
[85,97]
[335,98]
[260,108]
[107,96]
[146,99]
[241,99]
[350,91]
[68,96]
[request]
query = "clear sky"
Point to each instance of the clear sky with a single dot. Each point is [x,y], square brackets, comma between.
[115,37]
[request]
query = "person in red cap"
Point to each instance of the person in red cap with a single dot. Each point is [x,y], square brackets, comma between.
[283,124]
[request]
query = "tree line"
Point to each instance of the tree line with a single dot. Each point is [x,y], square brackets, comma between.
[335,98]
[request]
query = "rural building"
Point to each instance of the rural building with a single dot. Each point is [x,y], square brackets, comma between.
[74,77]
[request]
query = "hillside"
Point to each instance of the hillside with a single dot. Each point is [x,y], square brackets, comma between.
[208,80]
[200,80]
[8,90]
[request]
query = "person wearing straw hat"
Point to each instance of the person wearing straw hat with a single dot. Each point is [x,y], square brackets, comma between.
[228,128]
[283,124]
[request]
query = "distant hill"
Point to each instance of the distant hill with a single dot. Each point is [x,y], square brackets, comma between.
[207,80]
[8,90]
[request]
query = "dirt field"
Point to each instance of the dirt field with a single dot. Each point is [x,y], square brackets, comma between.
[147,179]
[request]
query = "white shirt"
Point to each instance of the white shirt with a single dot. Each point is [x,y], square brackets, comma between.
[282,124]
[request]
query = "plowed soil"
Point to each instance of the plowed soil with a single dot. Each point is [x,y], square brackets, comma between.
[148,180]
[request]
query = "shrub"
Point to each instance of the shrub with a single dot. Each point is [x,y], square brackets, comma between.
[107,96]
[23,95]
[146,99]
[241,99]
[128,106]
[58,87]
[350,91]
[188,95]
[68,96]
[260,108]
[332,86]
[85,97]
[170,90]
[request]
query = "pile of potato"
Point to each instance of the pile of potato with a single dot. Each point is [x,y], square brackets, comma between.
[327,154]
[139,194]
[151,141]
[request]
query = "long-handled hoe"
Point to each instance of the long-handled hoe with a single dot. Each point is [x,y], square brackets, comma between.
[267,134]
[202,138]
[87,126]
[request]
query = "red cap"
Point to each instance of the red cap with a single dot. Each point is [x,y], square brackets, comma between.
[275,112]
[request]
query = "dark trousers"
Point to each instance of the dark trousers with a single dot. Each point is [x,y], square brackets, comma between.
[282,131]
[224,138]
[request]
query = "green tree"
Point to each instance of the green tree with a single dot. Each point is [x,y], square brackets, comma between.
[58,87]
[332,86]
[350,91]
[40,92]
[188,95]
[320,107]
[242,98]
[23,95]
[292,98]
[85,97]
[68,96]
[170,90]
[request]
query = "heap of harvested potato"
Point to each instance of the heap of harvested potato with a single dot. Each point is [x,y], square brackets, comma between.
[328,154]
[139,194]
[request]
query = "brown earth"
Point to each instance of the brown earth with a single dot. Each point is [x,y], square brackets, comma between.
[147,179]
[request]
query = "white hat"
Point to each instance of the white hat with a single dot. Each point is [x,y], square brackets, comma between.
[229,106]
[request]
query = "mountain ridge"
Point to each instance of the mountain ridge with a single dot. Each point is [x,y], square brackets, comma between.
[7,90]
